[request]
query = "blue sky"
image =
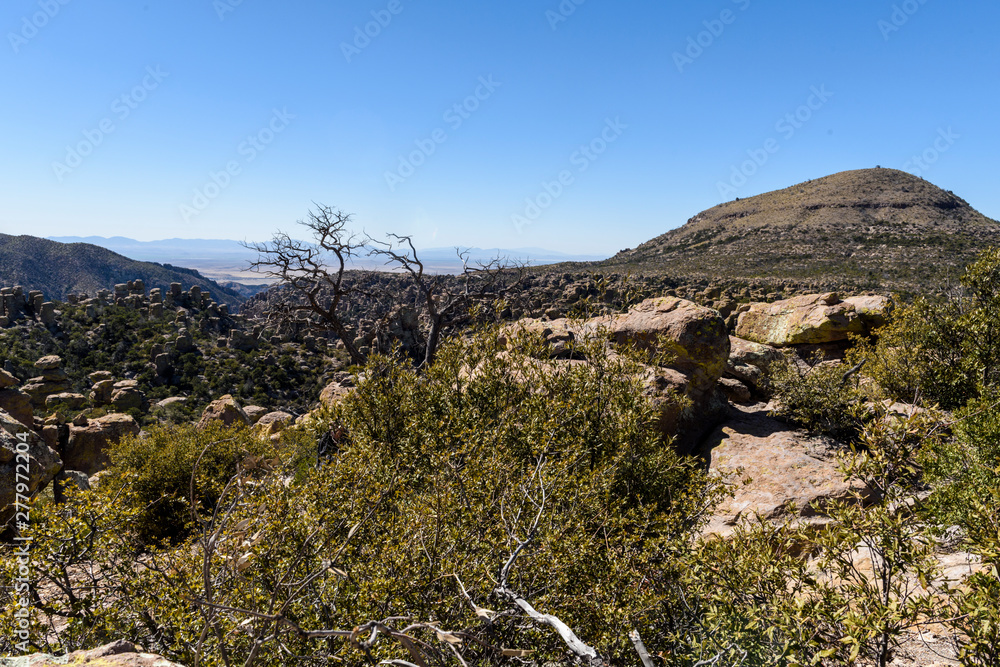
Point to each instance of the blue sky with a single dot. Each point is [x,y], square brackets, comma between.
[583,126]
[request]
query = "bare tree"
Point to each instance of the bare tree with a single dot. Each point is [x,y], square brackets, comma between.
[316,271]
[446,299]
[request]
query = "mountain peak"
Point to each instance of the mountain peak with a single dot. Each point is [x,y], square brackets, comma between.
[866,227]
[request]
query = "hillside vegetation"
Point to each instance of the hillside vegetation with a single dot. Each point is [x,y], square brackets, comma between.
[60,269]
[870,228]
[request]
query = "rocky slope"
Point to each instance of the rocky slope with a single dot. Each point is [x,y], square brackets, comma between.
[873,228]
[60,269]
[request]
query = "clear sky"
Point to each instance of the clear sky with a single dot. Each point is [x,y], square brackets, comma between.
[583,126]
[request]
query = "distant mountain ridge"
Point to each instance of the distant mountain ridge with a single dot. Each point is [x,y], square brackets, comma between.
[204,253]
[58,269]
[874,228]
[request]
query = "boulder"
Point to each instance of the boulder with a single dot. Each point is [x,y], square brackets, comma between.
[101,392]
[100,376]
[7,380]
[810,319]
[735,391]
[118,654]
[255,412]
[22,452]
[779,468]
[49,363]
[18,405]
[87,448]
[128,398]
[273,423]
[173,400]
[334,393]
[750,363]
[65,400]
[697,346]
[225,410]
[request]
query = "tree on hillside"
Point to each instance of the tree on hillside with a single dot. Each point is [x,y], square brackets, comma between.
[446,300]
[319,273]
[316,271]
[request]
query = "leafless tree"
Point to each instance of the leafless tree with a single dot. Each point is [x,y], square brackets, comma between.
[444,298]
[316,270]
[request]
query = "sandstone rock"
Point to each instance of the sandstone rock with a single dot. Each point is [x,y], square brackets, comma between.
[47,313]
[87,448]
[101,392]
[255,412]
[65,400]
[100,376]
[809,319]
[118,654]
[696,338]
[162,363]
[786,467]
[7,380]
[18,405]
[240,340]
[22,451]
[736,391]
[49,363]
[750,363]
[128,398]
[874,310]
[273,423]
[334,393]
[226,410]
[173,400]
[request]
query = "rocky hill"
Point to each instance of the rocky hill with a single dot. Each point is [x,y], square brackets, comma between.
[60,269]
[870,228]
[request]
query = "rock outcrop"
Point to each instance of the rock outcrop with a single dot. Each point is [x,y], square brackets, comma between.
[22,452]
[53,380]
[785,467]
[87,447]
[811,319]
[117,654]
[225,410]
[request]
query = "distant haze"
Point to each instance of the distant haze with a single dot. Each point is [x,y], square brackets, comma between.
[224,259]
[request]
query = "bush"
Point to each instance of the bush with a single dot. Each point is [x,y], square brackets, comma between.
[823,398]
[154,473]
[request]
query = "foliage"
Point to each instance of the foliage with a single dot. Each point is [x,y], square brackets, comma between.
[156,471]
[943,351]
[822,397]
[439,478]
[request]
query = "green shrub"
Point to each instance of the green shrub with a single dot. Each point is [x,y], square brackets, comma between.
[155,470]
[824,398]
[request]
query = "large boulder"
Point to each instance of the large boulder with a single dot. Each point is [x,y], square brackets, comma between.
[7,380]
[811,319]
[18,405]
[750,363]
[273,423]
[697,347]
[87,447]
[784,473]
[22,453]
[118,654]
[225,410]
